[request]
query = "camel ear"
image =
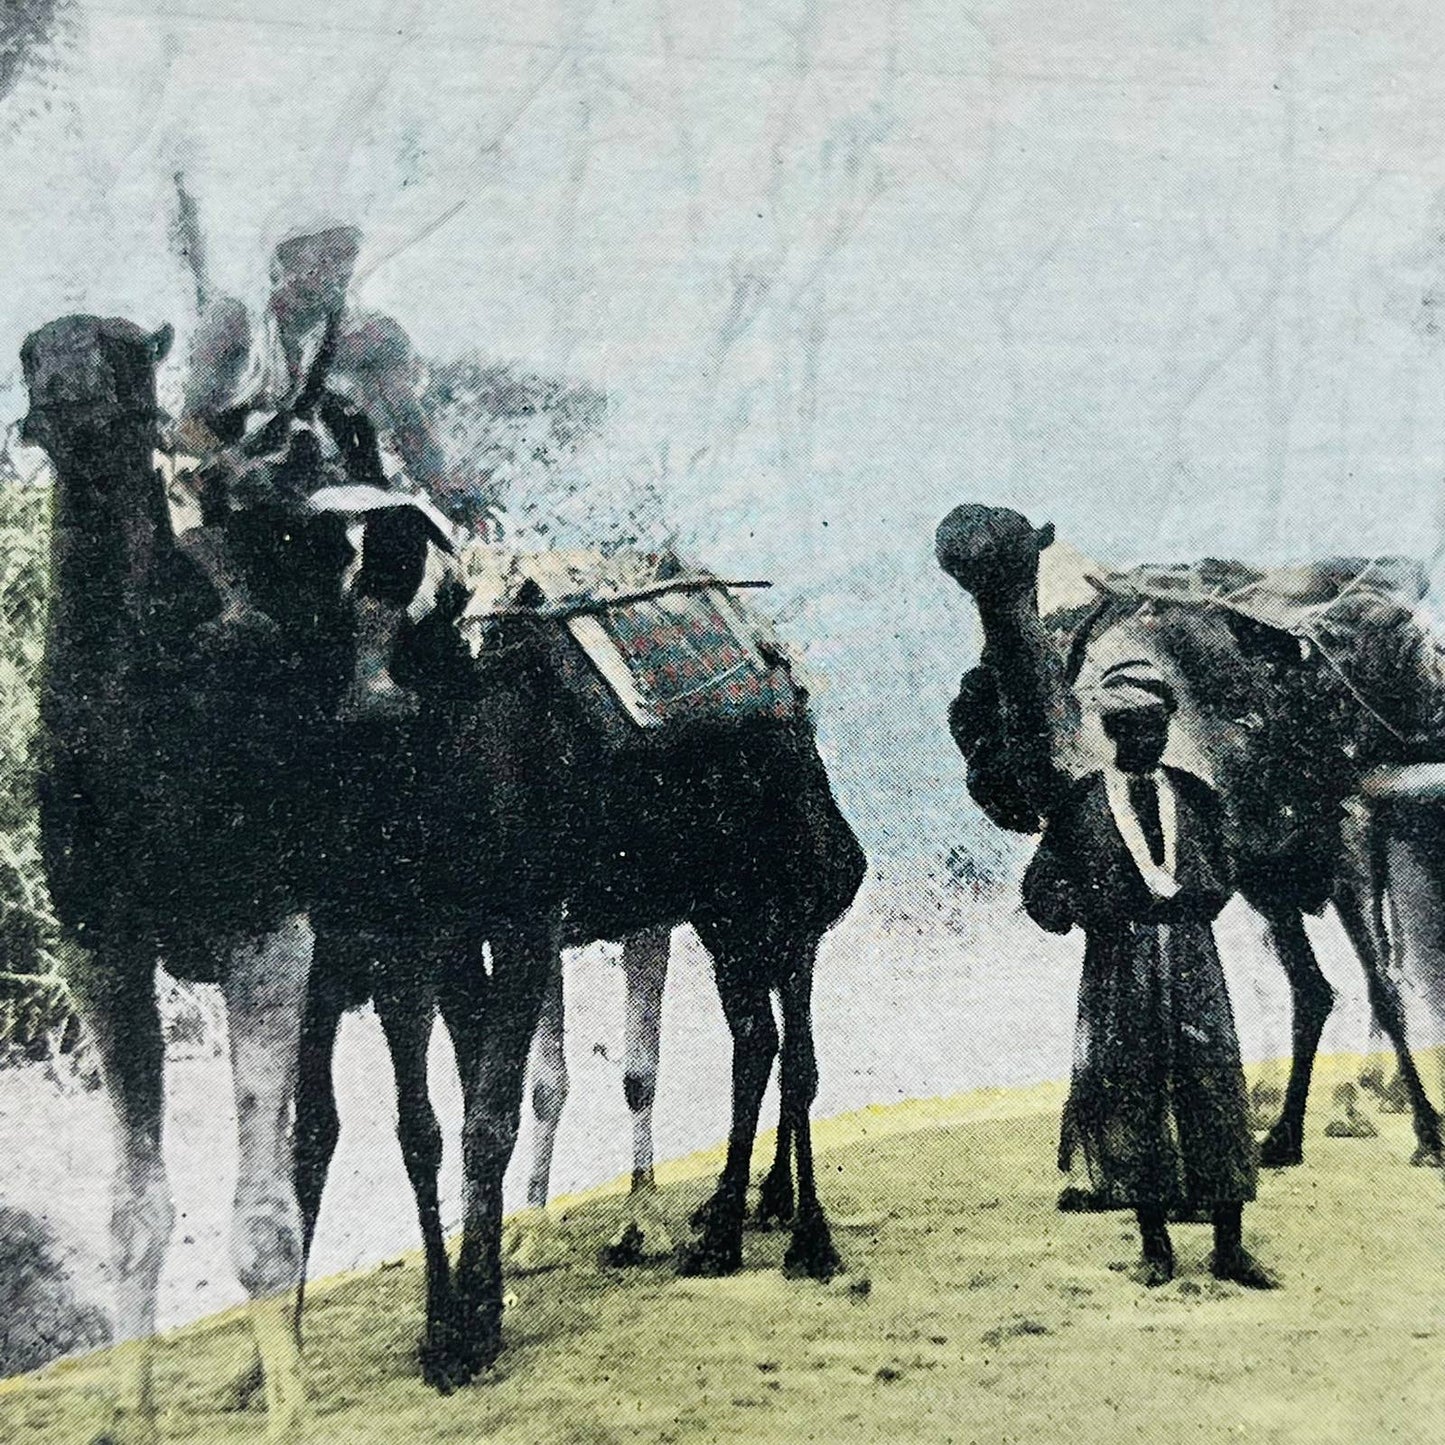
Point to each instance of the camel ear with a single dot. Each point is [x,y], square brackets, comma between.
[1045,536]
[161,341]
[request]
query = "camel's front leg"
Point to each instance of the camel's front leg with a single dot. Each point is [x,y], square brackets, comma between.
[117,991]
[1311,999]
[265,990]
[492,1022]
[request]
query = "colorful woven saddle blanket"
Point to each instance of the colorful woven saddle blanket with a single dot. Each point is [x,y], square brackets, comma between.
[648,641]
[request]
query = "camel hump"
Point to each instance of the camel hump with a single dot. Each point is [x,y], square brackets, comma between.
[984,547]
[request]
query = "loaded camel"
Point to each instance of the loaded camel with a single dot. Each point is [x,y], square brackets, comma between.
[1269,723]
[728,826]
[196,791]
[198,803]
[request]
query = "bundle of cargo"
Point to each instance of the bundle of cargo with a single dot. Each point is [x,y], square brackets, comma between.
[645,642]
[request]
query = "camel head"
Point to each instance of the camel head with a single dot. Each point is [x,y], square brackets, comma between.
[991,552]
[86,376]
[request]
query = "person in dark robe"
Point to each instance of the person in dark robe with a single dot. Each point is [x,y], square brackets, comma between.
[1134,855]
[289,419]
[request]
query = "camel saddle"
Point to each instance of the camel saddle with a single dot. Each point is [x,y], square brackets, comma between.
[648,644]
[1369,618]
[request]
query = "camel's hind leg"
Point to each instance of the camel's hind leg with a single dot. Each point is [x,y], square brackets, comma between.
[811,1249]
[1312,998]
[265,989]
[118,994]
[1358,902]
[645,958]
[644,1232]
[534,1241]
[549,1085]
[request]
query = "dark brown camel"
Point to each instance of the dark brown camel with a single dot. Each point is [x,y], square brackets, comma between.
[148,761]
[1302,835]
[732,828]
[198,801]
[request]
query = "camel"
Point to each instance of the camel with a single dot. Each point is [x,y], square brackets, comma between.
[132,815]
[1263,728]
[730,827]
[199,805]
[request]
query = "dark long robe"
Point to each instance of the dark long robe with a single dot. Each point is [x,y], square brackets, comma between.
[1158,1104]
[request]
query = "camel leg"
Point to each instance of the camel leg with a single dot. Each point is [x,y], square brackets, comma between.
[644,1232]
[811,1250]
[549,1085]
[407,1011]
[1389,1012]
[118,996]
[265,987]
[317,1128]
[318,1125]
[533,1241]
[1311,998]
[492,1028]
[644,963]
[776,1203]
[748,1006]
[1416,897]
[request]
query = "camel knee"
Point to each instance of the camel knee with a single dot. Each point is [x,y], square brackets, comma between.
[142,1219]
[421,1139]
[266,1241]
[489,1138]
[639,1087]
[549,1094]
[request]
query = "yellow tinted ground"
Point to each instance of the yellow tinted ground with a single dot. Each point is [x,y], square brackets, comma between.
[972,1312]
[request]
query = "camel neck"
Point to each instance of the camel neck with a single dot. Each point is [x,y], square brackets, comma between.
[111,533]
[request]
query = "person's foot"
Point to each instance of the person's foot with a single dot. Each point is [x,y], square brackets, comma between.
[1240,1267]
[1153,1271]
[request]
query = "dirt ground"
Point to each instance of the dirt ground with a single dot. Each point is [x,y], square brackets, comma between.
[972,1311]
[911,1002]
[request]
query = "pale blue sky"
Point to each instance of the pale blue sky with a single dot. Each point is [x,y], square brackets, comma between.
[1149,267]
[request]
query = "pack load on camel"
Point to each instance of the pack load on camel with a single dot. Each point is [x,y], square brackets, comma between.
[645,642]
[1311,698]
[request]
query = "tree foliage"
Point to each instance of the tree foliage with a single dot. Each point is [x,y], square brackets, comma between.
[507,433]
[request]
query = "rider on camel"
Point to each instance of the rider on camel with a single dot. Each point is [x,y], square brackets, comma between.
[292,418]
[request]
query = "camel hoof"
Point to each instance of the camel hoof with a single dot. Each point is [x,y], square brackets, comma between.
[710,1258]
[811,1254]
[244,1391]
[129,1427]
[1281,1149]
[451,1358]
[776,1205]
[534,1243]
[1152,1273]
[643,1235]
[1357,1127]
